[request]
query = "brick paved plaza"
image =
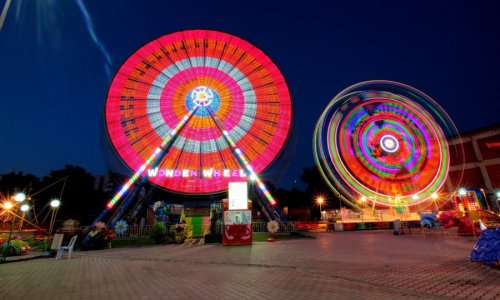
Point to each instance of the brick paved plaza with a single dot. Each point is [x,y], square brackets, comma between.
[337,265]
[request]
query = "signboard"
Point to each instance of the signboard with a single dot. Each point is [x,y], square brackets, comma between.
[237,217]
[238,195]
[237,227]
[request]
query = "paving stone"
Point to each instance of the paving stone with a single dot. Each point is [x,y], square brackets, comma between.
[346,265]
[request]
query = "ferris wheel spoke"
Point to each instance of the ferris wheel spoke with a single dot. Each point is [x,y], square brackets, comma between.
[244,162]
[152,160]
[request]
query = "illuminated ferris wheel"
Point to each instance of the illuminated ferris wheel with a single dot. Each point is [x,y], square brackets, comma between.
[194,110]
[384,142]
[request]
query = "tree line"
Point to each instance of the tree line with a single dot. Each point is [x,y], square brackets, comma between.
[82,198]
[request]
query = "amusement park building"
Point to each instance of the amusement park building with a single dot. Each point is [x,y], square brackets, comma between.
[481,165]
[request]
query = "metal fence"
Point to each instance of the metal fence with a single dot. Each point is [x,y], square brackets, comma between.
[143,230]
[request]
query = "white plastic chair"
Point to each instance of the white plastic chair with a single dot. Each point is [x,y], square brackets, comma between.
[69,247]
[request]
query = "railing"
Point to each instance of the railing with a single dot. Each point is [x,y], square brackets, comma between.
[374,216]
[143,230]
[283,227]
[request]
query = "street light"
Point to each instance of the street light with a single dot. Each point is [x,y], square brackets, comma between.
[462,191]
[55,203]
[434,197]
[8,205]
[55,206]
[24,209]
[320,201]
[19,197]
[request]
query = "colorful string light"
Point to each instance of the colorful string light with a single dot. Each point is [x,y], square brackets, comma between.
[161,149]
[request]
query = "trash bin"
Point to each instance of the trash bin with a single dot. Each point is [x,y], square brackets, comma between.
[397,227]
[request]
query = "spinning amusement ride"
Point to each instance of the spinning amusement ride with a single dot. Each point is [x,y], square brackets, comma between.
[193,110]
[384,142]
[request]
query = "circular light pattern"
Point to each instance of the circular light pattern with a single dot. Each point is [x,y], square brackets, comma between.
[385,141]
[174,98]
[202,96]
[388,143]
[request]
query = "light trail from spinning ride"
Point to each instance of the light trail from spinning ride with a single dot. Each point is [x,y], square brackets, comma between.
[386,142]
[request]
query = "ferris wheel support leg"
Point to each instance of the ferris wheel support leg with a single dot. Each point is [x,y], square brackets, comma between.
[153,160]
[101,216]
[241,158]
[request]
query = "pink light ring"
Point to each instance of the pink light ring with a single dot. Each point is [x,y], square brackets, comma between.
[443,166]
[112,110]
[435,134]
[340,175]
[131,158]
[335,153]
[354,184]
[359,145]
[233,85]
[169,91]
[113,103]
[192,185]
[121,144]
[427,123]
[438,181]
[333,126]
[416,120]
[419,119]
[365,135]
[375,134]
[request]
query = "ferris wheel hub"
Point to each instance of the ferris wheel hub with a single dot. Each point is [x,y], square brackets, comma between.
[202,96]
[389,143]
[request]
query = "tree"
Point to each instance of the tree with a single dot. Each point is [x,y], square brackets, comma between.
[12,183]
[292,198]
[79,199]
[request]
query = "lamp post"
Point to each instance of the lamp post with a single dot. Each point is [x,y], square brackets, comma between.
[24,209]
[54,204]
[19,198]
[434,198]
[55,207]
[320,201]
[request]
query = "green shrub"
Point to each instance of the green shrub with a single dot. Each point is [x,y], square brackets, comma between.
[158,232]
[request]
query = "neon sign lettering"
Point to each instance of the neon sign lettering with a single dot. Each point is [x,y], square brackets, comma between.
[205,173]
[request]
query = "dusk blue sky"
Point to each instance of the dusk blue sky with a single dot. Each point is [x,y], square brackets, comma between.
[57,59]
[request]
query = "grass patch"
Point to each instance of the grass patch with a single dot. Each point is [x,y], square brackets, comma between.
[260,237]
[132,242]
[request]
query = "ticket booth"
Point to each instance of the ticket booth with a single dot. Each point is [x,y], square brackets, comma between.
[237,220]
